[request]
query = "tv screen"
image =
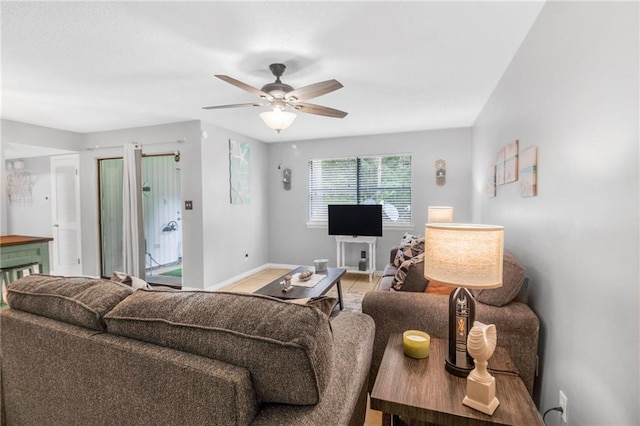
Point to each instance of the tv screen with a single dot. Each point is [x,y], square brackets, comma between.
[356,220]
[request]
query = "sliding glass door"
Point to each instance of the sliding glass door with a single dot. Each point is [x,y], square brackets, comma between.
[161,200]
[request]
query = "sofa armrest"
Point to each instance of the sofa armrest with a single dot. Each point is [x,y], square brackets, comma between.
[394,312]
[344,401]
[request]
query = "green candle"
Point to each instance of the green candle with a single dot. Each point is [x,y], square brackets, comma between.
[416,343]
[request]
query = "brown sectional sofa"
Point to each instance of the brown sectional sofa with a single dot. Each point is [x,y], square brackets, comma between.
[415,308]
[79,351]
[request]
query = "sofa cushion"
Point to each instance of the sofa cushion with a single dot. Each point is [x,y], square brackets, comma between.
[75,300]
[288,348]
[405,279]
[410,277]
[512,282]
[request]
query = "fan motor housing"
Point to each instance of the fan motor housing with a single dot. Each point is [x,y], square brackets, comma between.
[277,90]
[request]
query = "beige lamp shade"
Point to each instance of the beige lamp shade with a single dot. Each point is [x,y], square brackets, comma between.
[440,214]
[464,255]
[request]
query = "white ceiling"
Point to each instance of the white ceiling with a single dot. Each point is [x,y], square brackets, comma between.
[405,66]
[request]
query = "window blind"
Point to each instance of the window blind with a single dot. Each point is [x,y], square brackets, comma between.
[382,179]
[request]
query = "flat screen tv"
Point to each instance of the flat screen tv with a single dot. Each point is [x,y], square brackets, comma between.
[363,220]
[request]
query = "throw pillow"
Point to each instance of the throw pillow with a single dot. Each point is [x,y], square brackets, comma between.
[410,246]
[436,287]
[512,282]
[324,303]
[133,282]
[403,270]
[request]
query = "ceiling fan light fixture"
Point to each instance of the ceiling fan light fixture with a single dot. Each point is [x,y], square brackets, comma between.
[277,119]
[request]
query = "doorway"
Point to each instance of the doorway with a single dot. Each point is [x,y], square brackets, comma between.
[162,219]
[65,215]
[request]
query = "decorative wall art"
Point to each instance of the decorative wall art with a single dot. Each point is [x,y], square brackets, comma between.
[491,181]
[500,167]
[441,172]
[511,162]
[528,181]
[19,184]
[239,154]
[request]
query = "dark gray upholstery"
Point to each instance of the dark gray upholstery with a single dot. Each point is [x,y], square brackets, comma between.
[394,312]
[288,348]
[353,339]
[58,373]
[75,300]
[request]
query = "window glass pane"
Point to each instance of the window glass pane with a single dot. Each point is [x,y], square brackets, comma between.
[382,180]
[331,182]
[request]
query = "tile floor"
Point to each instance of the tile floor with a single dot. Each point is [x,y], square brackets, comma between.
[351,283]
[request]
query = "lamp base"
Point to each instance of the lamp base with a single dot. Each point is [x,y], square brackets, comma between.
[481,396]
[456,370]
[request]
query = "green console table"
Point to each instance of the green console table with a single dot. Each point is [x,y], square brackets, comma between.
[17,250]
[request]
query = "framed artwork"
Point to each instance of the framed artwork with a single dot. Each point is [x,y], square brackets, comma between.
[500,167]
[511,162]
[528,182]
[491,181]
[239,154]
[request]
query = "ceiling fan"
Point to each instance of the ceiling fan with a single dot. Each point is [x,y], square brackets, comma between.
[280,97]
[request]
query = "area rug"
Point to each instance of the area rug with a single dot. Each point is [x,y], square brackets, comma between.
[352,302]
[173,273]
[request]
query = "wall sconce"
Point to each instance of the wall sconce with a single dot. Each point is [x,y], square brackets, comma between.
[286,179]
[441,172]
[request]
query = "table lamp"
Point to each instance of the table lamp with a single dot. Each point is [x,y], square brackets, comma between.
[439,214]
[467,256]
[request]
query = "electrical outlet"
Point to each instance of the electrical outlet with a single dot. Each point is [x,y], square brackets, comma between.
[563,405]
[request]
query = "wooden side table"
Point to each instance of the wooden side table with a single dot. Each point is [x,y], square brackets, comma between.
[422,390]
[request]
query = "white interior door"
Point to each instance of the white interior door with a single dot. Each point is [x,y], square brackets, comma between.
[65,197]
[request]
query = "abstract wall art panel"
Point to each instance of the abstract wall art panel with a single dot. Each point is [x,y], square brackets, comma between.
[239,154]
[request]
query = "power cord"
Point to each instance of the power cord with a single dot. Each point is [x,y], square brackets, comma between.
[558,409]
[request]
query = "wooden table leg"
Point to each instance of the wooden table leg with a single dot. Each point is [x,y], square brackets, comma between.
[386,419]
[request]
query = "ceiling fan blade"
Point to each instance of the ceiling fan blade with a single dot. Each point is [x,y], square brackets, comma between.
[244,86]
[253,104]
[319,110]
[314,90]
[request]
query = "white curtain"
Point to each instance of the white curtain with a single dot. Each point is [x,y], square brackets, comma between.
[133,249]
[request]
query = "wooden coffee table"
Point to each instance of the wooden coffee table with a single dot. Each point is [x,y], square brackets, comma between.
[422,390]
[333,276]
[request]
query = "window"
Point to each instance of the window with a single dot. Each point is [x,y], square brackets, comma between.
[382,179]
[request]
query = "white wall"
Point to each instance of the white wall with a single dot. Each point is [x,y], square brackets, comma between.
[30,136]
[230,231]
[572,90]
[291,242]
